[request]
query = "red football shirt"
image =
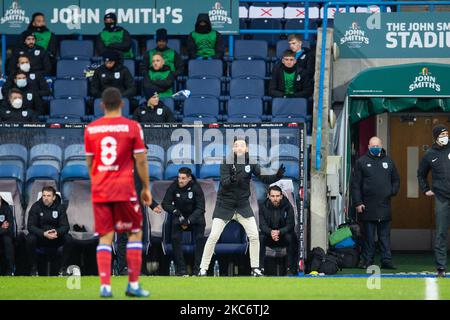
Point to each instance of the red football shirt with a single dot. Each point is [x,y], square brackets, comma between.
[112,142]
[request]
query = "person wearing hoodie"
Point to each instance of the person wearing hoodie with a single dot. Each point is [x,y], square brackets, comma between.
[48,227]
[375,181]
[114,37]
[436,160]
[7,235]
[13,109]
[185,202]
[153,110]
[233,202]
[31,97]
[44,37]
[113,74]
[171,58]
[39,57]
[289,79]
[277,222]
[158,78]
[35,79]
[203,42]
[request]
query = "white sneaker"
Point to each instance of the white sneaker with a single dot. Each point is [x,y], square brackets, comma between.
[202,273]
[256,272]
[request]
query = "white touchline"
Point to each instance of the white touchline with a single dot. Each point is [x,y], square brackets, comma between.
[431,289]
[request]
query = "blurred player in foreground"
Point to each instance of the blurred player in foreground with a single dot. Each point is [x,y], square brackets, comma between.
[112,144]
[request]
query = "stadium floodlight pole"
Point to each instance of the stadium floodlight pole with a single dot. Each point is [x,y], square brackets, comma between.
[323,51]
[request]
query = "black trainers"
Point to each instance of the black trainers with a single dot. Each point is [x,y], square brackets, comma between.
[63,272]
[256,272]
[388,265]
[34,272]
[441,273]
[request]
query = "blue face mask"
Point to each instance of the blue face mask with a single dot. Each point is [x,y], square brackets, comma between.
[375,151]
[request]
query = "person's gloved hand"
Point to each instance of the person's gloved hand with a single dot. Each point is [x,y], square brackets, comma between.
[281,171]
[233,173]
[183,221]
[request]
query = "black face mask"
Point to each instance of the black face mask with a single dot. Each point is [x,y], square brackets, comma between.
[110,25]
[203,28]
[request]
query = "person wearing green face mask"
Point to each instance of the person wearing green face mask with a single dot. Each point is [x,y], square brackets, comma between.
[375,181]
[44,37]
[114,37]
[437,160]
[203,42]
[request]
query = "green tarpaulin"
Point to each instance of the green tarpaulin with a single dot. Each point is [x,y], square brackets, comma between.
[420,86]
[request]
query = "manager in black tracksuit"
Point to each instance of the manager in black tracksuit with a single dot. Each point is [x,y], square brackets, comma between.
[437,160]
[277,222]
[375,182]
[185,202]
[233,202]
[48,226]
[7,235]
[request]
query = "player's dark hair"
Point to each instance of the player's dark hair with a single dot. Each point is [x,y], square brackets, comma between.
[23,56]
[275,188]
[14,90]
[288,53]
[297,37]
[185,170]
[19,72]
[49,189]
[112,99]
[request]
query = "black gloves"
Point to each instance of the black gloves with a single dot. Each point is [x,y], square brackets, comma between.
[281,171]
[233,174]
[183,220]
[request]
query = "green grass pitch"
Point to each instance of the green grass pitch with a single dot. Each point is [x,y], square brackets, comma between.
[224,288]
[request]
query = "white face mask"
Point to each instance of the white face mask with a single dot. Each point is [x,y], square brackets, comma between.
[21,83]
[443,141]
[17,103]
[25,67]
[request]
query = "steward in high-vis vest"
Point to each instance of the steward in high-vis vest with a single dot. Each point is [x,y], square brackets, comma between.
[159,78]
[114,37]
[172,58]
[204,43]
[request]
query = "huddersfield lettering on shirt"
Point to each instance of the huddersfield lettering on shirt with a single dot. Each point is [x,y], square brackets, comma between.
[108,128]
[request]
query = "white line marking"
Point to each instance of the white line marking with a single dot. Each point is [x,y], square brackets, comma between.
[431,289]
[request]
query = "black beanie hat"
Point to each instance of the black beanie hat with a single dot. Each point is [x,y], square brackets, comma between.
[161,35]
[438,129]
[27,33]
[111,55]
[110,15]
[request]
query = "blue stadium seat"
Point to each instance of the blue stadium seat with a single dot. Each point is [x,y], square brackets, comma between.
[46,154]
[174,44]
[180,153]
[250,49]
[246,88]
[215,153]
[233,240]
[71,173]
[70,88]
[155,171]
[11,171]
[255,69]
[266,24]
[76,49]
[205,68]
[201,109]
[42,171]
[289,109]
[170,103]
[74,154]
[245,110]
[98,111]
[171,172]
[13,154]
[292,169]
[129,63]
[204,87]
[210,171]
[155,153]
[67,108]
[72,69]
[285,152]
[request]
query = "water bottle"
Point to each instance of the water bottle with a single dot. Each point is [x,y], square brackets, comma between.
[216,269]
[172,268]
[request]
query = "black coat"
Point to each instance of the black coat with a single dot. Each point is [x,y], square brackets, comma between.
[188,201]
[375,181]
[118,77]
[42,218]
[52,44]
[159,85]
[303,83]
[276,218]
[307,62]
[233,195]
[436,159]
[160,114]
[122,47]
[39,60]
[36,80]
[31,98]
[192,47]
[10,114]
[6,214]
